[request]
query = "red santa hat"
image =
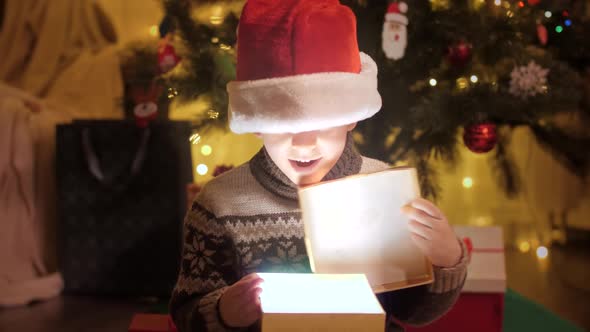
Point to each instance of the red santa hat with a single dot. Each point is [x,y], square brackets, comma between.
[299,69]
[396,13]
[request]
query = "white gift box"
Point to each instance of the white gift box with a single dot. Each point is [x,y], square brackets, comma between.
[486,272]
[355,225]
[319,302]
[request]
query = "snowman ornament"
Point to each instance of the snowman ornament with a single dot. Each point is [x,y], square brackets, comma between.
[395,34]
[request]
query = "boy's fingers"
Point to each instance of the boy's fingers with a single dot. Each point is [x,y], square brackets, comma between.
[420,230]
[418,215]
[428,207]
[247,284]
[420,242]
[251,298]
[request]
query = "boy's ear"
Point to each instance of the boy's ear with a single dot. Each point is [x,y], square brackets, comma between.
[351,126]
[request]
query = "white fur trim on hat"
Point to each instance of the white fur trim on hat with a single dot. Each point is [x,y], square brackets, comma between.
[401,18]
[304,102]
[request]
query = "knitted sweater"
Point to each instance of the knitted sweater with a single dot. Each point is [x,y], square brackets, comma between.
[248,220]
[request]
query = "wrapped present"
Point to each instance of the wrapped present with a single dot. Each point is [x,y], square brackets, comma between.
[481,304]
[151,323]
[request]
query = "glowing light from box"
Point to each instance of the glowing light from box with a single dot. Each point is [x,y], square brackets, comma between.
[202,169]
[154,30]
[206,150]
[432,82]
[317,293]
[473,79]
[542,252]
[524,246]
[195,138]
[467,182]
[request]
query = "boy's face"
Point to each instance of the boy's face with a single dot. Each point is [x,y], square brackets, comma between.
[307,157]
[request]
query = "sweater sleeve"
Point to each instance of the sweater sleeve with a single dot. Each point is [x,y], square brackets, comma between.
[422,305]
[207,267]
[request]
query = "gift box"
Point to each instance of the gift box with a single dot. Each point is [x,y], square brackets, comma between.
[152,323]
[319,302]
[355,225]
[480,306]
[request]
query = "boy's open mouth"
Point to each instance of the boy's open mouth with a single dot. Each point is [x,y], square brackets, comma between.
[303,164]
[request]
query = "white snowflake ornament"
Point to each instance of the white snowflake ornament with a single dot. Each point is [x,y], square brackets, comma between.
[528,81]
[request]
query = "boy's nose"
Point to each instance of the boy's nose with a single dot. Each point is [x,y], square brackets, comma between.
[305,139]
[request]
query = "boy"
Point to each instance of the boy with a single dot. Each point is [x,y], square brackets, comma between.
[301,86]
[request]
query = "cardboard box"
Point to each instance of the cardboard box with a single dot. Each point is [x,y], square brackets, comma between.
[319,302]
[481,304]
[355,225]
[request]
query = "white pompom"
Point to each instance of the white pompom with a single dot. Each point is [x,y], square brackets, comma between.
[403,7]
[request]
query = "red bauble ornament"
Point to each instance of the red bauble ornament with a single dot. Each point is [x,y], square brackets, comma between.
[542,34]
[167,57]
[481,137]
[459,54]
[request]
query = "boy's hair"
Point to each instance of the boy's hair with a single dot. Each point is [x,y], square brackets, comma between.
[300,69]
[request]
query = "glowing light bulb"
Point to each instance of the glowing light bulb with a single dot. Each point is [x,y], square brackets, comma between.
[497,2]
[206,150]
[202,169]
[215,40]
[542,252]
[195,138]
[467,182]
[558,29]
[432,82]
[473,79]
[154,30]
[462,83]
[548,14]
[568,22]
[524,246]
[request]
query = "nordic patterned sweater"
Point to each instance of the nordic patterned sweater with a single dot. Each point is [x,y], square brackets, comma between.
[248,220]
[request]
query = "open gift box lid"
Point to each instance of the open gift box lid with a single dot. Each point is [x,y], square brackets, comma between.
[355,225]
[319,302]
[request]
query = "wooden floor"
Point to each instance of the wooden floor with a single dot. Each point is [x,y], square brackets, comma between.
[561,283]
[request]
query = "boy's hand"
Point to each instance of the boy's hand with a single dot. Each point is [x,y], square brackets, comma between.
[239,306]
[432,233]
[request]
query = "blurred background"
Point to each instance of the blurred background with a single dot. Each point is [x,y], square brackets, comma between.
[489,99]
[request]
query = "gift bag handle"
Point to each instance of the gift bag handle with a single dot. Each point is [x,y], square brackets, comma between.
[94,164]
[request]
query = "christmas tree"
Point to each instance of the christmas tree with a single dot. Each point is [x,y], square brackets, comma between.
[450,72]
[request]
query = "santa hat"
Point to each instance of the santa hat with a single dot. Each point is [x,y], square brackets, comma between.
[396,13]
[300,69]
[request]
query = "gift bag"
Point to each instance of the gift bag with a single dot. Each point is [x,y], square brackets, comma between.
[121,203]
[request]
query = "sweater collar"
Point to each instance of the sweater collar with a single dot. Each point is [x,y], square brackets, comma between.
[268,174]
